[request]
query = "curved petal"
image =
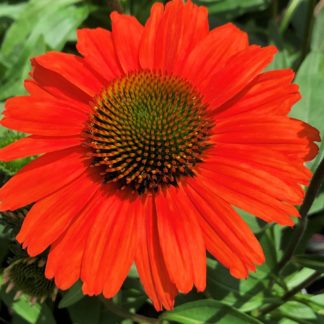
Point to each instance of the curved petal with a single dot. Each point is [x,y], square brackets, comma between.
[212,53]
[149,260]
[65,257]
[110,248]
[270,93]
[180,28]
[147,45]
[51,216]
[35,145]
[49,92]
[42,117]
[42,177]
[126,34]
[227,236]
[73,70]
[97,47]
[239,71]
[242,173]
[258,157]
[290,136]
[247,198]
[53,84]
[181,240]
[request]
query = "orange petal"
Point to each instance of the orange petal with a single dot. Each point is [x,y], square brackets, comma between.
[239,71]
[97,47]
[72,69]
[51,216]
[34,145]
[181,27]
[126,33]
[149,260]
[219,217]
[65,257]
[42,177]
[271,93]
[212,53]
[181,240]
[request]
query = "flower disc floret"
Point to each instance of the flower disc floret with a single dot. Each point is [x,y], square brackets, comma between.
[147,130]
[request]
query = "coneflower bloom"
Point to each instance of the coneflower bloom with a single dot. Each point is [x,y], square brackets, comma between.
[148,140]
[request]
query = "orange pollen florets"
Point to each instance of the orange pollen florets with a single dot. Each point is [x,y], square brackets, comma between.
[147,130]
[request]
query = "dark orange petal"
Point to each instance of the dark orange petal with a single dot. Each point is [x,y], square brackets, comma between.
[181,240]
[276,163]
[227,236]
[120,251]
[247,198]
[126,34]
[180,29]
[239,71]
[271,93]
[41,117]
[149,260]
[147,45]
[65,257]
[290,136]
[42,177]
[51,216]
[236,171]
[72,69]
[46,81]
[44,92]
[34,145]
[110,249]
[97,47]
[212,53]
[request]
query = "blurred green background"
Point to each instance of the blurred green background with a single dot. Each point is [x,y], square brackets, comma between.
[274,294]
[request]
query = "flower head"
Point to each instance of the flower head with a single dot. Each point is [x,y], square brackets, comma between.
[148,141]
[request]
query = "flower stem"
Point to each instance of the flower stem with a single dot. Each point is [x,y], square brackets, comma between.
[307,282]
[288,14]
[308,29]
[123,313]
[307,37]
[293,244]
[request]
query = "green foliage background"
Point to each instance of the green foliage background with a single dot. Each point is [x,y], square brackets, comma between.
[276,292]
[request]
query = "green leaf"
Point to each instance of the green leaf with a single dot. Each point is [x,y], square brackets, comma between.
[29,312]
[298,277]
[256,225]
[310,78]
[318,203]
[315,262]
[72,296]
[245,295]
[12,79]
[54,22]
[318,39]
[11,10]
[270,240]
[207,311]
[234,8]
[297,310]
[39,27]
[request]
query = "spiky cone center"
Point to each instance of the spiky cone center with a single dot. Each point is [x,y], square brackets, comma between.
[147,130]
[26,275]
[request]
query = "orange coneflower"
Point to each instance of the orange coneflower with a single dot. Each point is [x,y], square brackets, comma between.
[148,140]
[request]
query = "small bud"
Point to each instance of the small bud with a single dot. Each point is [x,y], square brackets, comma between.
[27,276]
